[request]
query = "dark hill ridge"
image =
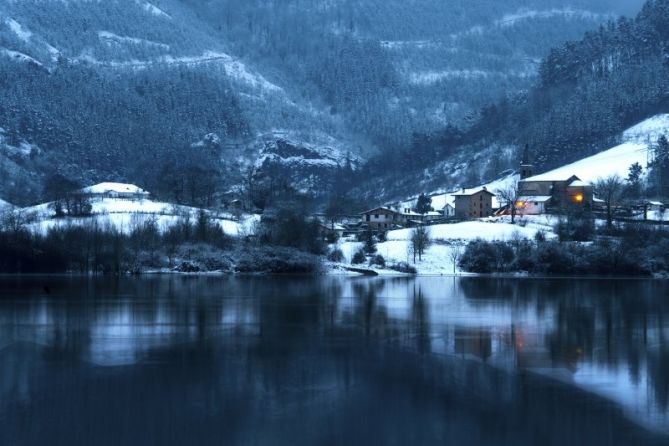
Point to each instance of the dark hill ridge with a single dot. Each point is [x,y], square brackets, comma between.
[111,90]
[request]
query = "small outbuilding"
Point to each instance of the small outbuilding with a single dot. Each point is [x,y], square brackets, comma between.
[533,204]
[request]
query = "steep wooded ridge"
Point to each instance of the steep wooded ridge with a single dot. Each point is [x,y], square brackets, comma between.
[186,94]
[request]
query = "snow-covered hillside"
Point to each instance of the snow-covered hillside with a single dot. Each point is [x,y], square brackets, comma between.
[127,214]
[4,205]
[635,148]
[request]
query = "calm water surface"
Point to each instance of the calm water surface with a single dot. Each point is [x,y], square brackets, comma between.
[333,361]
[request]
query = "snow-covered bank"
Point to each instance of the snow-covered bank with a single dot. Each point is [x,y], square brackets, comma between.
[449,242]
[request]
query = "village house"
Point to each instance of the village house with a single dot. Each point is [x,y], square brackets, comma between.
[448,211]
[540,193]
[433,216]
[382,218]
[473,203]
[115,190]
[331,230]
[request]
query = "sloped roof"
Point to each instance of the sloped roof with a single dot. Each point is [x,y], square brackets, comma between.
[579,183]
[470,192]
[381,208]
[537,198]
[551,176]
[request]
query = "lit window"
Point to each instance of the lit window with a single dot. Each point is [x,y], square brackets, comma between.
[578,198]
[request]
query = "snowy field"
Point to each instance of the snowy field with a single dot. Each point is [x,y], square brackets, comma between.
[125,214]
[450,240]
[617,160]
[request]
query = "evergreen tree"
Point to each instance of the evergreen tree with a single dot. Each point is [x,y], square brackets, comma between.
[634,180]
[424,204]
[661,165]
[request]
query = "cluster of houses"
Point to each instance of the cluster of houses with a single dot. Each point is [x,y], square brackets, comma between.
[535,195]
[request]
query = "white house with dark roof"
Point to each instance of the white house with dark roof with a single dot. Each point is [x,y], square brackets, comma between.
[116,190]
[382,218]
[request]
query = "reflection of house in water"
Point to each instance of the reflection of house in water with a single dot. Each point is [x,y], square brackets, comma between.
[473,341]
[533,352]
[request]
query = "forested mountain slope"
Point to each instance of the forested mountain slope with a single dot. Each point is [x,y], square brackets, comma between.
[187,94]
[588,91]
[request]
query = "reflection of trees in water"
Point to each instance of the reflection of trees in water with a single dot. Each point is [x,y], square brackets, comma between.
[612,323]
[243,359]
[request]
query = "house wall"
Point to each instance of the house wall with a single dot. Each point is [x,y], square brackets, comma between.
[561,192]
[473,206]
[530,188]
[381,219]
[532,208]
[448,211]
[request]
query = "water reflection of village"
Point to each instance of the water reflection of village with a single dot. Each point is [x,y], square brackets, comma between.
[251,339]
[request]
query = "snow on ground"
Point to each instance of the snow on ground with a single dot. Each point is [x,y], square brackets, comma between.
[489,229]
[21,32]
[125,215]
[617,160]
[439,200]
[450,239]
[111,38]
[152,9]
[648,131]
[4,205]
[234,68]
[19,57]
[103,188]
[527,14]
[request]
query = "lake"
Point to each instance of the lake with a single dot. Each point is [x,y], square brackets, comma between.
[173,360]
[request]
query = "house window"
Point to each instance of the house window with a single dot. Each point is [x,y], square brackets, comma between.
[376,216]
[367,217]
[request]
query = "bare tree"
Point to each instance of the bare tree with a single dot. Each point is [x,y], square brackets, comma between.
[454,255]
[509,195]
[420,240]
[610,190]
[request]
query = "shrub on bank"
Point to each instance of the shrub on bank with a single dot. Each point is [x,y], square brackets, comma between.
[336,255]
[277,260]
[403,267]
[604,257]
[359,257]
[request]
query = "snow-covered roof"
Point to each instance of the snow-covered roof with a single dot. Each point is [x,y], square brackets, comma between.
[4,204]
[655,203]
[121,188]
[536,198]
[380,208]
[579,183]
[474,191]
[554,175]
[433,213]
[335,227]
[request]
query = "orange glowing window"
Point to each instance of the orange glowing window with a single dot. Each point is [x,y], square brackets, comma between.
[578,198]
[520,204]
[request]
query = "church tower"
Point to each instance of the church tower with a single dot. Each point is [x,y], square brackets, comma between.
[526,168]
